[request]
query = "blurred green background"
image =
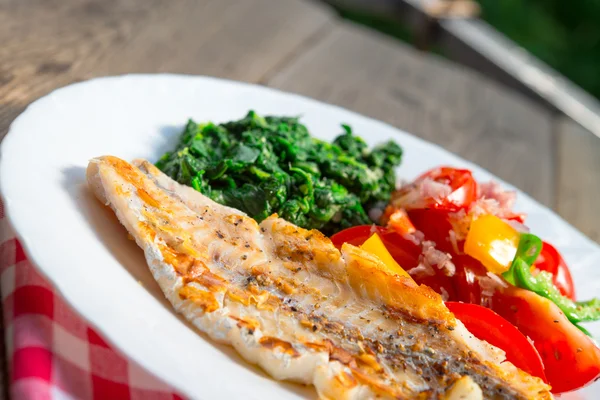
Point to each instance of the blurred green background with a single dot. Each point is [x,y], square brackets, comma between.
[564,34]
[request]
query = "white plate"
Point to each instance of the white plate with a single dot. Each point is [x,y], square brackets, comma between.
[81,248]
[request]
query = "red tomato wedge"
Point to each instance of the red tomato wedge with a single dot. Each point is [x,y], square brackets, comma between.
[356,235]
[571,359]
[463,188]
[550,260]
[491,327]
[466,279]
[435,225]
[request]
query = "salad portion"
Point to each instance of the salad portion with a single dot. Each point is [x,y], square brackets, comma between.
[510,288]
[444,230]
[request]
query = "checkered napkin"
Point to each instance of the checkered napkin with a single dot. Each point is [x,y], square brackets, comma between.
[52,353]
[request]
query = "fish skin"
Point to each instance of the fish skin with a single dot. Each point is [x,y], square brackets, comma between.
[287,300]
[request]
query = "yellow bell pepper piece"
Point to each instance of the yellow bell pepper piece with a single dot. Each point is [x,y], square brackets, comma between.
[493,242]
[375,246]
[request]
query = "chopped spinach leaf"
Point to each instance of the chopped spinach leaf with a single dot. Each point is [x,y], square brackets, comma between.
[265,165]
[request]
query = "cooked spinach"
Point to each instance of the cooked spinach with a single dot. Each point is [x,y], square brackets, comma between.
[265,165]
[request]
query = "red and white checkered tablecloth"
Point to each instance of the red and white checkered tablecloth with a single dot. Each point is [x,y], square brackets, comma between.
[52,353]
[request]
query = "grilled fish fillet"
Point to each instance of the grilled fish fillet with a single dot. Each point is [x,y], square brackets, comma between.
[289,301]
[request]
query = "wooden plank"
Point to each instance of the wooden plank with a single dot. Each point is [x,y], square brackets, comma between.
[50,43]
[432,98]
[578,177]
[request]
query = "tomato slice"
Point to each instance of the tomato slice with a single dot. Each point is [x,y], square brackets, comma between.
[550,260]
[435,225]
[571,359]
[491,327]
[463,188]
[355,235]
[466,279]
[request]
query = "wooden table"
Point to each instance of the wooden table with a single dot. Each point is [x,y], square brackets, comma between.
[302,46]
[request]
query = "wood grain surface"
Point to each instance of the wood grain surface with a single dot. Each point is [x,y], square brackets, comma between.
[301,46]
[47,44]
[432,98]
[578,177]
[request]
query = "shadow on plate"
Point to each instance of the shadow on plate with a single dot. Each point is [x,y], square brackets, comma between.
[166,141]
[114,237]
